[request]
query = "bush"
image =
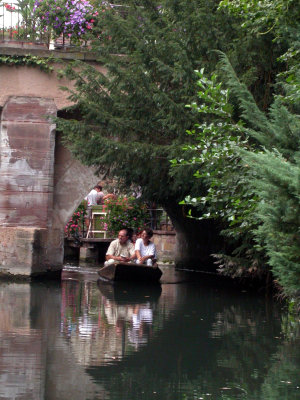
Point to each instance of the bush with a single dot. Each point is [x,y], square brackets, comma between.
[73,227]
[124,213]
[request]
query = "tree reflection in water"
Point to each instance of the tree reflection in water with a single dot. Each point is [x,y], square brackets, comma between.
[84,340]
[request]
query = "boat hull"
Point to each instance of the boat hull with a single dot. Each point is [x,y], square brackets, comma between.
[130,272]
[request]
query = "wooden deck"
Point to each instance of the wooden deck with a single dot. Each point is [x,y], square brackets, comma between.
[96,240]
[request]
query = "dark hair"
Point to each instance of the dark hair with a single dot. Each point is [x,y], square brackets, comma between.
[130,232]
[98,187]
[149,232]
[126,230]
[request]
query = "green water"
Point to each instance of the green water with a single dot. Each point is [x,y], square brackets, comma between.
[186,340]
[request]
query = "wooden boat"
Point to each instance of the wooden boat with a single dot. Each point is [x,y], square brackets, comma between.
[121,271]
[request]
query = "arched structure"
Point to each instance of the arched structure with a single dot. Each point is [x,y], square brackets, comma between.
[40,186]
[40,183]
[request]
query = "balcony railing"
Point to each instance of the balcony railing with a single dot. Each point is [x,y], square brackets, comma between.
[18,24]
[157,220]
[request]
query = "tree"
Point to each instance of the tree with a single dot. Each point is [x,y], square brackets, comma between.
[253,171]
[133,118]
[275,167]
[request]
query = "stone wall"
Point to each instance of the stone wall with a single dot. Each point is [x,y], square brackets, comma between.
[165,242]
[29,252]
[40,187]
[27,141]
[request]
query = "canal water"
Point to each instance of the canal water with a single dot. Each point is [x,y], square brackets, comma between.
[185,339]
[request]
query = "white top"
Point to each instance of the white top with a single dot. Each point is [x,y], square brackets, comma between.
[149,250]
[94,197]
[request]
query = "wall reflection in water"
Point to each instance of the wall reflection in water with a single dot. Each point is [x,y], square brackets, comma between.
[83,340]
[21,357]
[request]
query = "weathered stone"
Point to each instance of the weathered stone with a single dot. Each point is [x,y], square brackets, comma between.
[40,187]
[88,253]
[29,252]
[165,245]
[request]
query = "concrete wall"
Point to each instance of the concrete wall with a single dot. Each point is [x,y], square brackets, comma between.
[27,162]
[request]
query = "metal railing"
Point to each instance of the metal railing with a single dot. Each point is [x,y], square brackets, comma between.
[159,220]
[18,24]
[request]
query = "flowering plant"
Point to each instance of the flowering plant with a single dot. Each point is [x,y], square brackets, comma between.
[70,17]
[124,213]
[73,227]
[9,7]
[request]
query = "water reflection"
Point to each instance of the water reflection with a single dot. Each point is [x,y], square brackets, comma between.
[83,339]
[105,322]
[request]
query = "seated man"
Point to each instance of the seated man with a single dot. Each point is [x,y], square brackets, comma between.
[145,250]
[120,249]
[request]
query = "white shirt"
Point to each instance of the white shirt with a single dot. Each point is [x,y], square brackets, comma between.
[93,197]
[149,250]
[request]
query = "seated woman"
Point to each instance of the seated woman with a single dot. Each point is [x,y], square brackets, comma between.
[145,250]
[134,237]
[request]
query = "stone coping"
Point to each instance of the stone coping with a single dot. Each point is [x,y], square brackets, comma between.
[39,50]
[95,240]
[164,232]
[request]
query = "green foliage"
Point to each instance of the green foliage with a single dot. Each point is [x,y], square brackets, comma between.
[132,119]
[281,18]
[216,153]
[277,183]
[264,15]
[124,213]
[276,167]
[255,191]
[27,60]
[75,223]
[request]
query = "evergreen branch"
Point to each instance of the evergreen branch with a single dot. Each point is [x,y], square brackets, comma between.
[250,111]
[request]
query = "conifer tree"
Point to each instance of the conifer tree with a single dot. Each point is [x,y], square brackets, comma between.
[253,169]
[133,118]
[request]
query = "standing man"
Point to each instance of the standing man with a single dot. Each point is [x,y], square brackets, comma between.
[120,249]
[95,197]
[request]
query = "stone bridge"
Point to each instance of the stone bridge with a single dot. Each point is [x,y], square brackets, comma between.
[40,183]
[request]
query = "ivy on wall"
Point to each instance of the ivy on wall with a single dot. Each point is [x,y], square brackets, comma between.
[27,60]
